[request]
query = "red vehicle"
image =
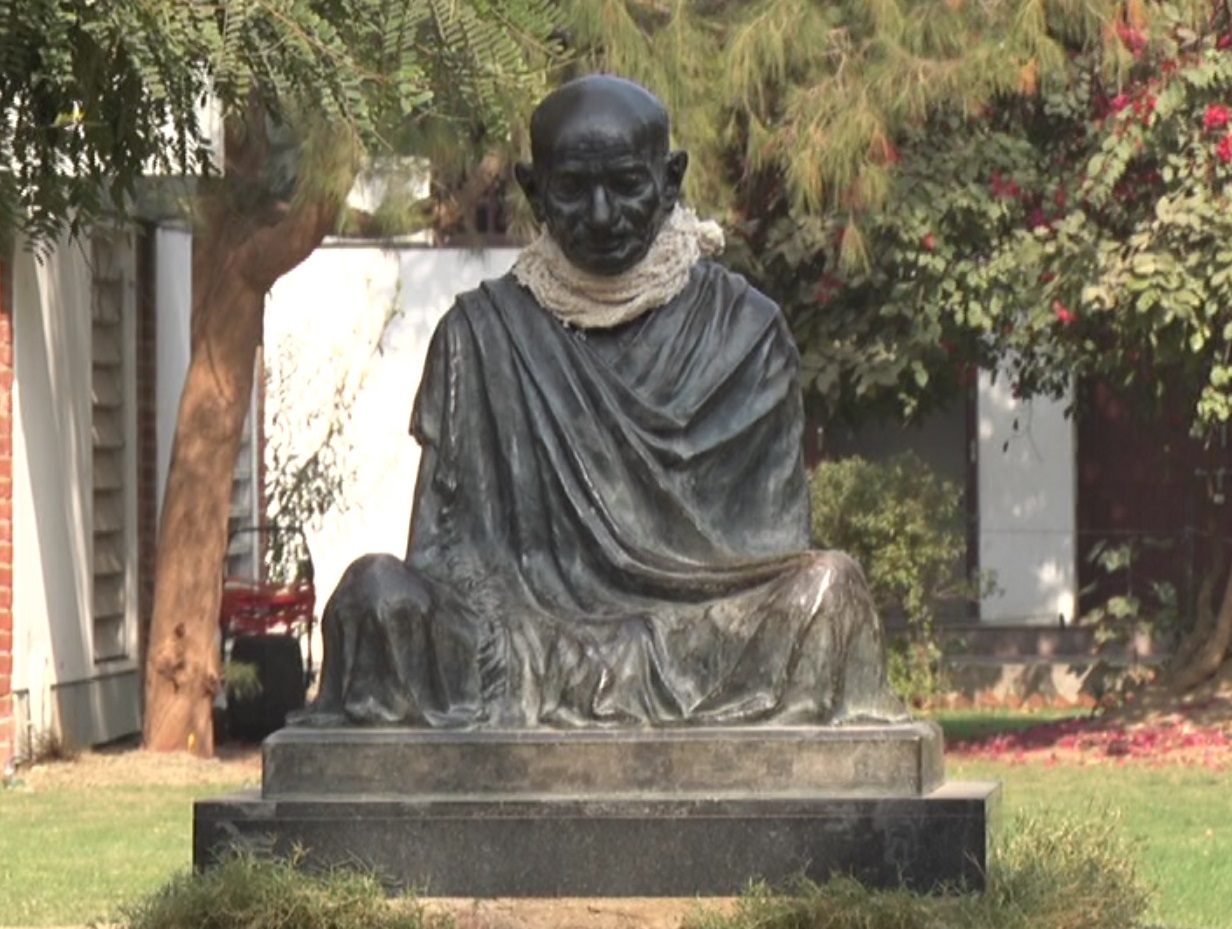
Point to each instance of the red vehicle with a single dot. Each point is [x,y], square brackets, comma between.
[262,622]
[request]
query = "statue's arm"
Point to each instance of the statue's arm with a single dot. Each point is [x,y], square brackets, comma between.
[434,429]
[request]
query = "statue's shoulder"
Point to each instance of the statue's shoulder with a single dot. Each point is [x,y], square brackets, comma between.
[736,287]
[478,302]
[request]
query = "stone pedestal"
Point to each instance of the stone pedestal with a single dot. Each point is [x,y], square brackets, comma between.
[681,812]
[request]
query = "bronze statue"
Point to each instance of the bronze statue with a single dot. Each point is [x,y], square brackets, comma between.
[611,520]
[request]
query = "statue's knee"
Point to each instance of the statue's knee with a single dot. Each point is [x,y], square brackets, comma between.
[832,567]
[381,579]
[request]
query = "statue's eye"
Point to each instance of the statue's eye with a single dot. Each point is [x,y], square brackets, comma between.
[627,183]
[568,186]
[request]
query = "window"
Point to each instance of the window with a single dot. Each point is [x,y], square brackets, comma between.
[112,433]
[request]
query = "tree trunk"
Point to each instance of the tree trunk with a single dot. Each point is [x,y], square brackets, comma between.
[237,257]
[1205,650]
[183,666]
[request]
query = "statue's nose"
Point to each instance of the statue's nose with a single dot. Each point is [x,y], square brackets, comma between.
[600,208]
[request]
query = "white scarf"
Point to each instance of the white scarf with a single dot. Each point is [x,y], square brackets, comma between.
[595,301]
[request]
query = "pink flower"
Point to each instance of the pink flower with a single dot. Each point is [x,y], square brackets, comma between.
[1134,39]
[1119,102]
[1001,187]
[1216,116]
[929,242]
[1064,314]
[1224,149]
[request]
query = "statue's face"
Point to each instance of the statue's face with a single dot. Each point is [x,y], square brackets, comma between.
[603,188]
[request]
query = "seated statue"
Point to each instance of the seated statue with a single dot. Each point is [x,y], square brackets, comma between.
[611,521]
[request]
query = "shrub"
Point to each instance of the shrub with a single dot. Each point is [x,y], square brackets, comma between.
[1053,873]
[905,526]
[250,891]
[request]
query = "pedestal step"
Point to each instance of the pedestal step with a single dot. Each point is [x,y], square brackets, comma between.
[857,760]
[618,846]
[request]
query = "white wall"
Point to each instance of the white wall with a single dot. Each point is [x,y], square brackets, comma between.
[1027,505]
[327,311]
[173,298]
[55,673]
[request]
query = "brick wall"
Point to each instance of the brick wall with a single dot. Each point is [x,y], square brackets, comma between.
[8,728]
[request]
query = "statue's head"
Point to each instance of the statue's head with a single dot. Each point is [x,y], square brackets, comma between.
[602,179]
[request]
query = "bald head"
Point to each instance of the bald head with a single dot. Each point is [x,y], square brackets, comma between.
[598,105]
[602,180]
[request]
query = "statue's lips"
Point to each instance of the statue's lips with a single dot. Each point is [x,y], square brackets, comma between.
[605,247]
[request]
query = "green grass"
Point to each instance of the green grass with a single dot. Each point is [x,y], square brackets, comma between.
[1048,873]
[1181,819]
[960,725]
[247,892]
[69,855]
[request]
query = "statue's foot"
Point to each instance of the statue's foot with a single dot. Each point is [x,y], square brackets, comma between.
[317,718]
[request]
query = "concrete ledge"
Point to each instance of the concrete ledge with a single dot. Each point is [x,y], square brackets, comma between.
[870,761]
[666,846]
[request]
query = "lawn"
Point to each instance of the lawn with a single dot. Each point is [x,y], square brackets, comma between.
[1182,818]
[72,855]
[73,848]
[963,725]
[1178,809]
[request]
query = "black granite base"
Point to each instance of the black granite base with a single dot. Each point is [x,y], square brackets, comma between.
[649,845]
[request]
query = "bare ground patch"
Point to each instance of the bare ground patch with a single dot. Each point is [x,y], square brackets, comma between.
[129,765]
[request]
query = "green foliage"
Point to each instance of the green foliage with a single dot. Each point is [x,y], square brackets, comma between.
[929,187]
[246,891]
[1054,872]
[242,680]
[901,521]
[905,526]
[1124,611]
[98,94]
[1080,232]
[808,97]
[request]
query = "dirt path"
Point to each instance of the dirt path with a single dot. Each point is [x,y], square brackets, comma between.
[125,765]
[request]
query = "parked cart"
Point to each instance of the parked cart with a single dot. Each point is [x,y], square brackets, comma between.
[266,623]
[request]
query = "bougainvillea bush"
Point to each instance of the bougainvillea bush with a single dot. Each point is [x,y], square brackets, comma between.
[1077,227]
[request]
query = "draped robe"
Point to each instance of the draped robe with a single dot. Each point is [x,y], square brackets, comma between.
[610,527]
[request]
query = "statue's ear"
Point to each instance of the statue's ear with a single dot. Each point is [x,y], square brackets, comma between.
[525,173]
[677,164]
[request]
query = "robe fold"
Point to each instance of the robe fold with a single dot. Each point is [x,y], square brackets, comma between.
[610,527]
